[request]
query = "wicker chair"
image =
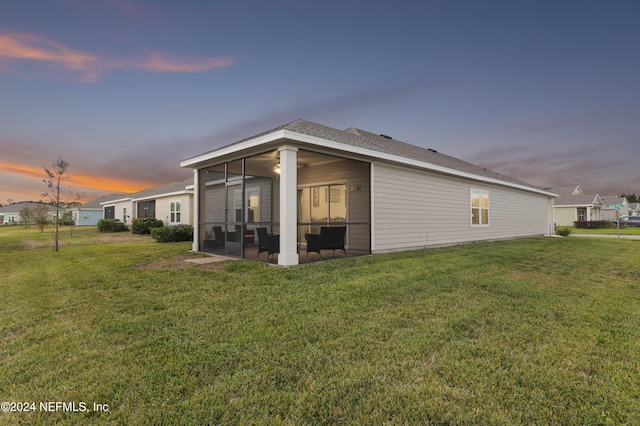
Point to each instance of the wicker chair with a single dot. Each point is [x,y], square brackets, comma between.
[267,242]
[330,238]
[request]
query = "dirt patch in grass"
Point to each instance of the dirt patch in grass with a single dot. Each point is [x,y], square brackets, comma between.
[188,261]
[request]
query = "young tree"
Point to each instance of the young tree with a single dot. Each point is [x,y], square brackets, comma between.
[27,215]
[41,216]
[55,175]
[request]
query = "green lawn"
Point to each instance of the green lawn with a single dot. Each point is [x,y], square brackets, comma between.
[605,231]
[535,331]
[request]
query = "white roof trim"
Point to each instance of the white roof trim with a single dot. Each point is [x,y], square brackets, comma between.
[167,194]
[120,200]
[326,143]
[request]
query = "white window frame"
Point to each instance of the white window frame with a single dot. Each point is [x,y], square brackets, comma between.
[175,211]
[479,193]
[247,207]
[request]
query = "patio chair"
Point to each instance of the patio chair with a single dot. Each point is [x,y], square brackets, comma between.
[218,239]
[267,242]
[330,238]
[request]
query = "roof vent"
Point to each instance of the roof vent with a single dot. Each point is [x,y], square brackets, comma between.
[386,137]
[432,150]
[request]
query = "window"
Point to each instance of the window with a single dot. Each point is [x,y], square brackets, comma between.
[321,205]
[175,212]
[582,213]
[253,205]
[252,213]
[479,207]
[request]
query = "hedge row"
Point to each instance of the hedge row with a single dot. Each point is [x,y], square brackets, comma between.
[593,224]
[170,234]
[144,226]
[111,225]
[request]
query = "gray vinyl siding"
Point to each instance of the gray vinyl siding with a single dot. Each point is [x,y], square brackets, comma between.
[414,209]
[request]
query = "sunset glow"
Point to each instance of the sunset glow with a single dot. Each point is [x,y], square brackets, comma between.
[101,183]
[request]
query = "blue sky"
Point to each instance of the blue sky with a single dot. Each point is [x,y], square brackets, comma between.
[545,91]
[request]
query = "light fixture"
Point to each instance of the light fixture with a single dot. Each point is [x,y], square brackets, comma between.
[277,169]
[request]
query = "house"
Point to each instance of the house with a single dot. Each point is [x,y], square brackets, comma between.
[574,205]
[89,213]
[614,207]
[10,215]
[391,196]
[634,209]
[172,203]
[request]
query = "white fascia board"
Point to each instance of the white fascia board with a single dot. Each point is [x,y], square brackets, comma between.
[168,194]
[248,144]
[408,161]
[104,203]
[350,149]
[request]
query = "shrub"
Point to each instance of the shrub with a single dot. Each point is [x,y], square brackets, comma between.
[564,232]
[111,225]
[143,226]
[590,224]
[169,234]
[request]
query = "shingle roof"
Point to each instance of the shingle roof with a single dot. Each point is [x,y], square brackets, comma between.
[95,204]
[576,200]
[370,141]
[166,188]
[16,207]
[563,190]
[612,199]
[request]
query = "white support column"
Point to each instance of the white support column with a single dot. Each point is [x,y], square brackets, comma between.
[288,255]
[195,246]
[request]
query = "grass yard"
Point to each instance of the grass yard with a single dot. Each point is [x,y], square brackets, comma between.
[630,230]
[535,331]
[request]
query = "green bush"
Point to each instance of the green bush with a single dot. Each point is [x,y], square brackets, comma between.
[111,225]
[564,232]
[170,234]
[144,226]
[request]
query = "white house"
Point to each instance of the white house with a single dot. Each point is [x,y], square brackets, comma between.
[172,203]
[614,207]
[574,205]
[10,215]
[301,177]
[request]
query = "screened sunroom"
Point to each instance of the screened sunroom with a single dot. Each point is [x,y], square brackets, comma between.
[266,205]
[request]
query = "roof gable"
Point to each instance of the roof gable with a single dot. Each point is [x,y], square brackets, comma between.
[566,190]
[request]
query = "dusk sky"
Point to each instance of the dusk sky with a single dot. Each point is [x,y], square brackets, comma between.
[545,91]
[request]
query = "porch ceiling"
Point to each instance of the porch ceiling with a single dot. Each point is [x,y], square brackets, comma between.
[264,164]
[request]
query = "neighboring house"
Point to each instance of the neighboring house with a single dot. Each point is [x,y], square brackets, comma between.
[574,205]
[89,213]
[634,209]
[119,209]
[10,215]
[390,195]
[609,212]
[172,203]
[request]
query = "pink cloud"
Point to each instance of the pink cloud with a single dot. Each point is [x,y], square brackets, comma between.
[17,49]
[160,62]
